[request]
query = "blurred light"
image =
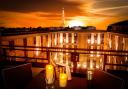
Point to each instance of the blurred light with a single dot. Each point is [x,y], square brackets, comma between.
[38,43]
[92,38]
[78,65]
[75,23]
[61,38]
[88,40]
[72,37]
[84,66]
[66,37]
[97,66]
[98,39]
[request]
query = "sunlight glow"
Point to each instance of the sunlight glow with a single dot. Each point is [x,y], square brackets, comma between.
[74,23]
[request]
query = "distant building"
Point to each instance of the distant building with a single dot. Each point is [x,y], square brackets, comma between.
[119,27]
[87,28]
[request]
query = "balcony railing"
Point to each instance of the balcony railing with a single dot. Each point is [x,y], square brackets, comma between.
[48,50]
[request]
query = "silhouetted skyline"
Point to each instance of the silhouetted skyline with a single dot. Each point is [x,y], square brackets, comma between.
[45,13]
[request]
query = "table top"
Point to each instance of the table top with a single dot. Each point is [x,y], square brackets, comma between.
[38,82]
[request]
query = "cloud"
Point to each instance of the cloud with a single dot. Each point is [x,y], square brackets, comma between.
[108,3]
[110,7]
[33,19]
[37,5]
[111,11]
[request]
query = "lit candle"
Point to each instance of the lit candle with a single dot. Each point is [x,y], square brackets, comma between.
[49,73]
[63,80]
[89,75]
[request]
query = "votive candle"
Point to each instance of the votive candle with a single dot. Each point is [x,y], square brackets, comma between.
[63,79]
[49,73]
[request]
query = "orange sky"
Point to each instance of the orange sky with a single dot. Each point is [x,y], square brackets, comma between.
[47,13]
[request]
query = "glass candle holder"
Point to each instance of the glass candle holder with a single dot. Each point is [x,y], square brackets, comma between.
[63,80]
[49,77]
[51,85]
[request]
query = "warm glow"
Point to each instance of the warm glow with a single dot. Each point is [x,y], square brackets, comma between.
[88,40]
[78,65]
[61,38]
[84,65]
[92,38]
[74,23]
[98,39]
[72,37]
[49,67]
[37,52]
[63,79]
[66,37]
[97,66]
[91,64]
[38,43]
[89,74]
[49,73]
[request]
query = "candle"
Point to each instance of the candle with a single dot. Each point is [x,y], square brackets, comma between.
[89,74]
[49,74]
[63,80]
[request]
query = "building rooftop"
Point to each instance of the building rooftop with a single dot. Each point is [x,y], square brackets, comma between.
[121,23]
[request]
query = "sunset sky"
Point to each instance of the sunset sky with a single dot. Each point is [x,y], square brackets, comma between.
[47,13]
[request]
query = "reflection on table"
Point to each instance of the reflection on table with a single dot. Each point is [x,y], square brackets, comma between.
[39,83]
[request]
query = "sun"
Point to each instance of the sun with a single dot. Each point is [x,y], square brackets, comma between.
[75,23]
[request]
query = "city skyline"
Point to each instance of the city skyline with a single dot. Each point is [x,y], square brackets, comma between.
[47,13]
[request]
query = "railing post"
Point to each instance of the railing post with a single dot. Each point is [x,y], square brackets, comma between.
[4,54]
[48,56]
[25,49]
[104,62]
[75,59]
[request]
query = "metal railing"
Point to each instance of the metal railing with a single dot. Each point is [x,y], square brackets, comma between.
[48,50]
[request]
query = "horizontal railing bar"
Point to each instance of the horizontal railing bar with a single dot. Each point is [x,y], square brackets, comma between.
[126,65]
[60,48]
[25,57]
[86,53]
